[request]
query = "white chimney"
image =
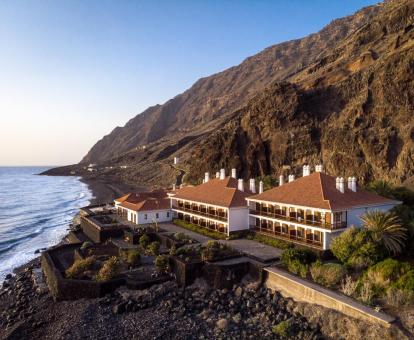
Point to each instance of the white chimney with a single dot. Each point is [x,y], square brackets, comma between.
[337,183]
[206,177]
[261,187]
[176,160]
[222,173]
[350,183]
[217,174]
[341,185]
[252,186]
[306,170]
[204,180]
[174,187]
[233,173]
[319,168]
[240,184]
[354,184]
[291,178]
[281,180]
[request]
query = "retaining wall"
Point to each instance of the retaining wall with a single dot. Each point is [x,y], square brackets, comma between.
[302,290]
[67,289]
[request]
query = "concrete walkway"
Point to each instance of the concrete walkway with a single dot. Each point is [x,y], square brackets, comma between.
[254,249]
[172,228]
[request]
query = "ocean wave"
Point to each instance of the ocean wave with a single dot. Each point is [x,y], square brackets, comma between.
[35,212]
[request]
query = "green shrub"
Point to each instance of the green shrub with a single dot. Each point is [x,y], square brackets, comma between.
[109,270]
[200,230]
[86,245]
[213,250]
[386,273]
[270,241]
[344,245]
[283,329]
[355,249]
[298,268]
[173,250]
[161,263]
[405,282]
[76,270]
[399,297]
[144,241]
[328,274]
[302,255]
[297,260]
[154,248]
[180,236]
[364,256]
[133,257]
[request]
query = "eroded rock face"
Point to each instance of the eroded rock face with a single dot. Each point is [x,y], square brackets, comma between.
[343,96]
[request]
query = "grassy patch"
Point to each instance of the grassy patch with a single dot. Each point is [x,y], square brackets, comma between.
[282,329]
[200,230]
[270,241]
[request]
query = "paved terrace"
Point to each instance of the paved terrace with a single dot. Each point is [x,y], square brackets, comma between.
[256,250]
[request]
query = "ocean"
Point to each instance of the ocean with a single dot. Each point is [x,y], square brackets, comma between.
[35,212]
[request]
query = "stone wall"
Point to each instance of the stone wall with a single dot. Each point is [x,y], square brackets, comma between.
[305,291]
[98,234]
[67,289]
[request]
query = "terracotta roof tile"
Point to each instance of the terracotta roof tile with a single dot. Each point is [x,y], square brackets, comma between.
[145,201]
[318,190]
[220,192]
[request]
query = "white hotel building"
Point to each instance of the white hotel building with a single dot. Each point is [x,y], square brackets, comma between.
[218,204]
[312,209]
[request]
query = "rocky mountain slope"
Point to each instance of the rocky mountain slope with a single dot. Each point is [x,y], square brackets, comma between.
[343,96]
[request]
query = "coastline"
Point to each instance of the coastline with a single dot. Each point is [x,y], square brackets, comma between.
[104,191]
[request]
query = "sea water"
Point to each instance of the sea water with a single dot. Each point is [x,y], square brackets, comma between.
[35,212]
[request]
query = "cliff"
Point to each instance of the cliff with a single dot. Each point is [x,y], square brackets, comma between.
[342,96]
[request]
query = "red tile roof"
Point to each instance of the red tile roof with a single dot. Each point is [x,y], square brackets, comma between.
[318,190]
[145,201]
[220,192]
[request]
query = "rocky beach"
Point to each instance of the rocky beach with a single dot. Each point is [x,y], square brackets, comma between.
[165,311]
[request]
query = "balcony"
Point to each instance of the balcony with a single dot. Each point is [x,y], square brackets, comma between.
[290,237]
[219,217]
[298,220]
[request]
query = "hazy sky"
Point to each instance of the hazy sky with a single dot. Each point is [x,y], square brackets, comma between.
[71,71]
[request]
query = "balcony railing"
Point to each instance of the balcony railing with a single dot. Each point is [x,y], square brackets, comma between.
[222,218]
[304,221]
[290,237]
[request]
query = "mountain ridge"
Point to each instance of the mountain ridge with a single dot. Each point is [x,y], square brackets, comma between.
[342,96]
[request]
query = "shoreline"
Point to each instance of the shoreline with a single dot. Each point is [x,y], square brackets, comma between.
[104,191]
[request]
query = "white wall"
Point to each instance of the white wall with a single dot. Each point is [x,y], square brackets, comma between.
[151,215]
[238,219]
[354,215]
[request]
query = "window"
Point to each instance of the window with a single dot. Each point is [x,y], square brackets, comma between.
[168,214]
[145,216]
[156,215]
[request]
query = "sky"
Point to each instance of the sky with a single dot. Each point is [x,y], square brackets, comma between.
[71,71]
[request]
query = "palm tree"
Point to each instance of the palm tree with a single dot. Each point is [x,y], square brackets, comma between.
[382,188]
[386,229]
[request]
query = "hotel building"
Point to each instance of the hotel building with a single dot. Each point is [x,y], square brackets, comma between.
[312,209]
[144,207]
[218,204]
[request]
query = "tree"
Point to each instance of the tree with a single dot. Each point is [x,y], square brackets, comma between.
[386,230]
[382,188]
